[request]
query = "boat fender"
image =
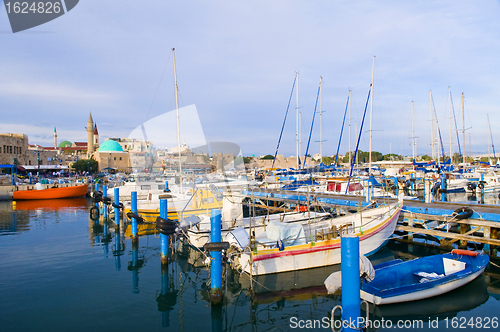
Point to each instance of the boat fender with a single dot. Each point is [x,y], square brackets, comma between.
[165,226]
[462,213]
[119,206]
[280,245]
[94,213]
[106,200]
[464,252]
[480,185]
[137,217]
[471,186]
[216,246]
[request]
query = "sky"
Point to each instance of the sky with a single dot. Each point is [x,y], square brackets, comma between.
[236,63]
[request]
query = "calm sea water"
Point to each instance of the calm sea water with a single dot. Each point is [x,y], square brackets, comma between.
[59,271]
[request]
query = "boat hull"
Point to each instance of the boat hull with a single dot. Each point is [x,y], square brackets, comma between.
[51,193]
[423,294]
[321,253]
[423,277]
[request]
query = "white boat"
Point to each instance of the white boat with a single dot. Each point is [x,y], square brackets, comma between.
[318,244]
[490,183]
[397,281]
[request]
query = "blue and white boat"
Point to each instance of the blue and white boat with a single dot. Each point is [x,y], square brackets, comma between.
[397,281]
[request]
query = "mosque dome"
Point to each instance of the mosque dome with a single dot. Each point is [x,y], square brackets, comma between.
[65,144]
[110,146]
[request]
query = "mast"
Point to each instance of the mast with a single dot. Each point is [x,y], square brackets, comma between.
[451,143]
[177,116]
[297,118]
[320,119]
[432,127]
[463,130]
[371,118]
[412,132]
[350,127]
[491,137]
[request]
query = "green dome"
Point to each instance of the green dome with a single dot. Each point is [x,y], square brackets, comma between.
[65,144]
[110,146]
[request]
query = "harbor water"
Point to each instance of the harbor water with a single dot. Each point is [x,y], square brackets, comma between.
[61,271]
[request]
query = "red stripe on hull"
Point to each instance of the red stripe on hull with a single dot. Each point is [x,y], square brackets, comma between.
[321,248]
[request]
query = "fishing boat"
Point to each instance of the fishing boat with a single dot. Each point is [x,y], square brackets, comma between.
[397,281]
[51,193]
[316,244]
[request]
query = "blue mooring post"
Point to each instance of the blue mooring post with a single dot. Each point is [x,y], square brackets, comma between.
[482,182]
[117,210]
[164,238]
[166,188]
[412,176]
[443,187]
[216,264]
[96,188]
[133,209]
[105,194]
[351,303]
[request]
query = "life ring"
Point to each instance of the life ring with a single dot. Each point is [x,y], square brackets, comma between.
[94,213]
[463,252]
[480,186]
[462,213]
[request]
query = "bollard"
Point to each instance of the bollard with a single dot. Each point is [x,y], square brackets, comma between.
[482,184]
[443,187]
[96,188]
[427,191]
[396,186]
[105,206]
[133,209]
[412,177]
[117,210]
[351,303]
[164,238]
[216,264]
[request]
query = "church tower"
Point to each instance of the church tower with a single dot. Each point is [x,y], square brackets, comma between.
[90,136]
[55,138]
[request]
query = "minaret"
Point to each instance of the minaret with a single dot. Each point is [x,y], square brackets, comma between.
[55,138]
[90,136]
[96,137]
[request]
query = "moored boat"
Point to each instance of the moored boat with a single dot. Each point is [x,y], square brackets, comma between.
[319,244]
[51,193]
[397,281]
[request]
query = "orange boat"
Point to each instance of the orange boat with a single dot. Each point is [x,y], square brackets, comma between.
[51,204]
[51,193]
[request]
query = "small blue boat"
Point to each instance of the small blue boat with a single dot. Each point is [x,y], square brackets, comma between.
[397,281]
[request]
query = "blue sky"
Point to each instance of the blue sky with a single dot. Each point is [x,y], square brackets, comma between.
[236,61]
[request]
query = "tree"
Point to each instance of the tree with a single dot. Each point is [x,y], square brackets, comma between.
[267,157]
[247,160]
[327,160]
[87,165]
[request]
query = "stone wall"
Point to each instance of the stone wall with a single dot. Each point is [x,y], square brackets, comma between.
[13,148]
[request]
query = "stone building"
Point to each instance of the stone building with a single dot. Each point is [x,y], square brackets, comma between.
[111,155]
[13,149]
